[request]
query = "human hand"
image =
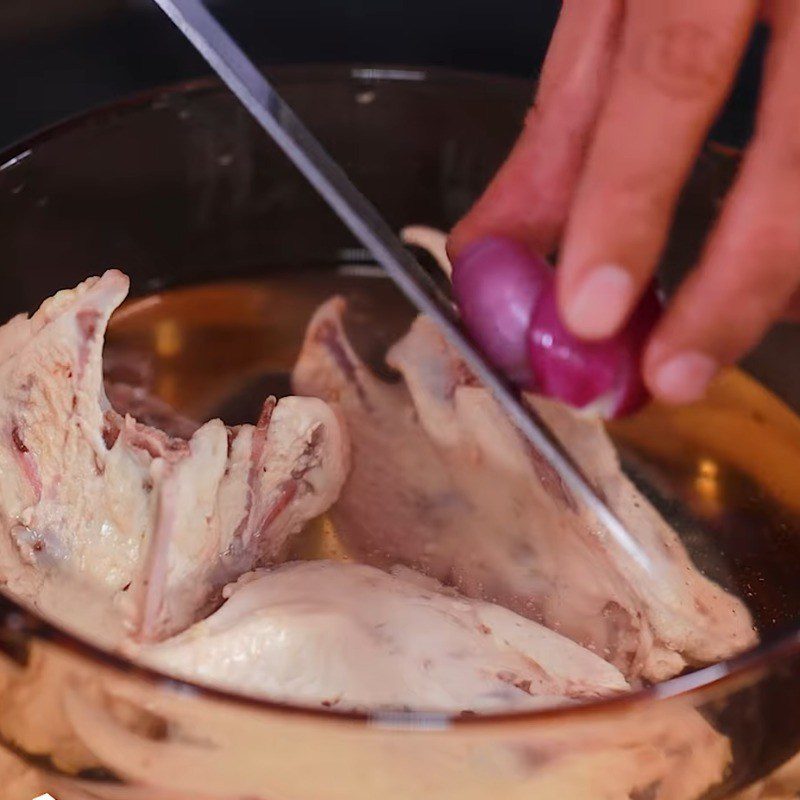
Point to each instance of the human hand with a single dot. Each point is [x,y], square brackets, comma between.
[626,98]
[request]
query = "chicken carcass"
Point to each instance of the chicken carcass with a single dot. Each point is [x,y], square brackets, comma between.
[444,483]
[159,523]
[350,636]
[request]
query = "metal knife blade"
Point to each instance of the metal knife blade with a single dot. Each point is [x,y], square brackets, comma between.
[241,76]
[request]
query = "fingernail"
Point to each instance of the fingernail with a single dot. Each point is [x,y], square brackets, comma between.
[600,303]
[684,378]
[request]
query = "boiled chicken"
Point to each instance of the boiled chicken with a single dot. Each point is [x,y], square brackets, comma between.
[157,522]
[113,491]
[443,482]
[350,636]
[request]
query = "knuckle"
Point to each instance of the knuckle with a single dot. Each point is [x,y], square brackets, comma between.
[640,196]
[761,275]
[789,157]
[684,60]
[773,249]
[777,146]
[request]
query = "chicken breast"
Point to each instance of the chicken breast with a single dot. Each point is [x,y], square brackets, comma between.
[350,636]
[444,483]
[156,523]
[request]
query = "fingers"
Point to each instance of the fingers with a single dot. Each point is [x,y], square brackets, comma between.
[529,197]
[677,63]
[751,267]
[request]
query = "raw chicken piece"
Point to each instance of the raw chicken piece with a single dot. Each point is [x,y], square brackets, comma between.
[178,745]
[443,482]
[160,523]
[782,784]
[129,379]
[19,781]
[354,637]
[432,240]
[143,406]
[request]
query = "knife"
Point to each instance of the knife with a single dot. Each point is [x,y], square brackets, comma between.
[242,77]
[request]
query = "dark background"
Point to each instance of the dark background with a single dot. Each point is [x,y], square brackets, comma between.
[58,57]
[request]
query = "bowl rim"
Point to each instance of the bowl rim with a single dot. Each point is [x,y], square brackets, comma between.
[25,623]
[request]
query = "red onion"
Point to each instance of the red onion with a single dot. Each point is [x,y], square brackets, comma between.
[507,299]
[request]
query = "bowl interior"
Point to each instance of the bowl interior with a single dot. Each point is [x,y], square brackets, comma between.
[230,252]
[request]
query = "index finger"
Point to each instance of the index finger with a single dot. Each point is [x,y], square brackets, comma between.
[529,198]
[678,62]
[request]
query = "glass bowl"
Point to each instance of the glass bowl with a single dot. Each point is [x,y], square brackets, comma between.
[181,190]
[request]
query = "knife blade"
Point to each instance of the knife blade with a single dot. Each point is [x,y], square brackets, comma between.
[256,93]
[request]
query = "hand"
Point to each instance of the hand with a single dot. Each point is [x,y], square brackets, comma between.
[627,95]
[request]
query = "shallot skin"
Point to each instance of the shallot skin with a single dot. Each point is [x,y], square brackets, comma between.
[507,298]
[497,283]
[603,377]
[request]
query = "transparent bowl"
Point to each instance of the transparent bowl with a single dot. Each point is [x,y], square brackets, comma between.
[183,192]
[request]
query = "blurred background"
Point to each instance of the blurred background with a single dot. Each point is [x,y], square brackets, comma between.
[63,56]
